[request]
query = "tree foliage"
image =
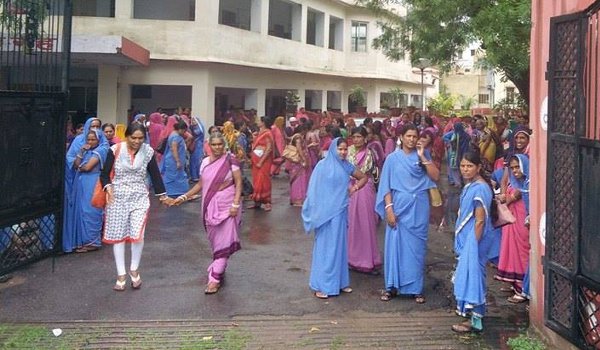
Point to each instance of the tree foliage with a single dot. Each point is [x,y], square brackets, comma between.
[441,29]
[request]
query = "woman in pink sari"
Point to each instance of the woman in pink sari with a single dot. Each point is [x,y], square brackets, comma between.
[313,144]
[279,140]
[363,251]
[514,247]
[221,185]
[300,170]
[155,129]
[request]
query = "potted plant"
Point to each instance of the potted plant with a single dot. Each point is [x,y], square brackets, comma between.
[357,99]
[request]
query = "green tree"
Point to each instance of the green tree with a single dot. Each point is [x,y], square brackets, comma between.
[441,29]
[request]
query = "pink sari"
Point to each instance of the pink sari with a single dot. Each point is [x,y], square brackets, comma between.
[218,192]
[363,250]
[299,176]
[514,248]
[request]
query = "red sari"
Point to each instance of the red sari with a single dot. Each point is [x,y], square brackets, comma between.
[261,177]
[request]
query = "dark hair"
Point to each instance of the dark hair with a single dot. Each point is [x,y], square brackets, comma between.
[213,129]
[408,126]
[180,125]
[428,121]
[359,130]
[108,125]
[79,125]
[133,127]
[333,130]
[473,157]
[268,121]
[309,123]
[340,122]
[300,128]
[368,120]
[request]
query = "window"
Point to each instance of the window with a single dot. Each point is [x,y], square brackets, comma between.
[95,8]
[484,98]
[336,33]
[472,52]
[175,10]
[285,19]
[359,36]
[315,22]
[235,13]
[510,95]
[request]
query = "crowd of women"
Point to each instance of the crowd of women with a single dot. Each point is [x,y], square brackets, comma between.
[385,170]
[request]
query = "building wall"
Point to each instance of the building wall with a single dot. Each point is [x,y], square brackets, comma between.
[542,11]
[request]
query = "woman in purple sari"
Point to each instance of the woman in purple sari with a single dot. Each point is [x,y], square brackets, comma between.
[221,185]
[363,251]
[299,171]
[403,202]
[327,215]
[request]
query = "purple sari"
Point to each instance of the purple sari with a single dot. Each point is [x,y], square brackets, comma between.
[218,192]
[363,250]
[299,177]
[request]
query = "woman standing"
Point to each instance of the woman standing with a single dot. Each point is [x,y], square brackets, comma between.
[363,251]
[262,158]
[221,185]
[299,170]
[174,161]
[312,144]
[514,247]
[403,202]
[327,215]
[85,233]
[279,139]
[127,200]
[109,132]
[472,243]
[197,149]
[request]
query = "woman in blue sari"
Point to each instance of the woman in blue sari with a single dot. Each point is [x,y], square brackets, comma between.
[174,161]
[327,215]
[403,202]
[197,129]
[472,242]
[83,231]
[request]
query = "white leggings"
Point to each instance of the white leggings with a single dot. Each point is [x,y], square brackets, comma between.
[136,256]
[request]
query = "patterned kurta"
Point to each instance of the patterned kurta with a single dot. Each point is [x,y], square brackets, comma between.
[126,216]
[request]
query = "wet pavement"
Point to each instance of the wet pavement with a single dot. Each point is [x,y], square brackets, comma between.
[267,280]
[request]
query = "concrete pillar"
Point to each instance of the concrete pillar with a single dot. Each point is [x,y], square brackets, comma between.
[108,87]
[261,96]
[326,32]
[256,15]
[124,9]
[344,103]
[251,99]
[264,18]
[373,99]
[299,23]
[206,12]
[203,98]
[323,99]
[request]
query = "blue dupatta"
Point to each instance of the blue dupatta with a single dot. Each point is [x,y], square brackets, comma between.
[522,185]
[327,194]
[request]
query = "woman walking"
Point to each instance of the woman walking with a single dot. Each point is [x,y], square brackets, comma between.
[174,161]
[363,251]
[221,185]
[127,200]
[109,132]
[403,202]
[262,158]
[85,232]
[472,242]
[278,132]
[327,215]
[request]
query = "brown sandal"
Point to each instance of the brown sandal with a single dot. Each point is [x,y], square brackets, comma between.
[212,288]
[464,327]
[120,283]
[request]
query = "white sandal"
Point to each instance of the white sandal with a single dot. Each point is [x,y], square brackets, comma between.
[120,284]
[136,281]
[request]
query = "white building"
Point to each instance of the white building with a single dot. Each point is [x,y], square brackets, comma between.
[213,54]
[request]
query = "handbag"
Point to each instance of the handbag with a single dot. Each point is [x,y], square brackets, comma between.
[290,152]
[162,146]
[435,197]
[99,196]
[505,216]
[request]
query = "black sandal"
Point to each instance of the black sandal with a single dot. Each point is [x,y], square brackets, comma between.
[387,295]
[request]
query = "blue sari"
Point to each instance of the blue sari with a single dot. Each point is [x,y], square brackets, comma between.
[176,180]
[196,156]
[82,224]
[327,215]
[406,244]
[472,255]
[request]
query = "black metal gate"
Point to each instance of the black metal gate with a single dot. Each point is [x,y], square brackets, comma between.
[572,265]
[35,38]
